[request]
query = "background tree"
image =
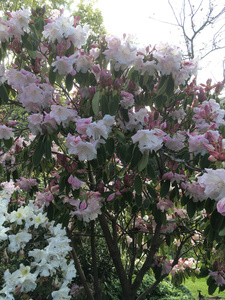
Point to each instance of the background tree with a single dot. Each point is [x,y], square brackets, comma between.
[92,16]
[202,25]
[18,4]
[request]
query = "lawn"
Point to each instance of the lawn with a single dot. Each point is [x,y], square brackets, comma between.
[200,284]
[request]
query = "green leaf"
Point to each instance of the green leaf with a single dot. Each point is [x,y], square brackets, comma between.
[216,220]
[151,171]
[52,76]
[104,105]
[209,205]
[48,146]
[69,82]
[8,143]
[143,162]
[137,155]
[151,191]
[39,151]
[124,113]
[170,86]
[3,93]
[113,104]
[165,188]
[146,203]
[212,285]
[95,103]
[163,85]
[191,208]
[138,200]
[110,146]
[138,185]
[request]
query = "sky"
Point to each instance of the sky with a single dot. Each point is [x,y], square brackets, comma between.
[140,17]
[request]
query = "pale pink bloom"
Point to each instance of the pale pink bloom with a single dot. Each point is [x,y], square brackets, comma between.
[18,22]
[195,191]
[136,120]
[6,132]
[221,206]
[65,26]
[62,114]
[83,62]
[9,186]
[44,198]
[33,97]
[174,177]
[49,124]
[34,124]
[82,124]
[177,114]
[4,34]
[164,205]
[196,143]
[96,130]
[122,52]
[127,100]
[176,142]
[90,208]
[64,65]
[79,36]
[20,79]
[84,150]
[52,32]
[217,277]
[26,184]
[213,181]
[148,140]
[168,58]
[75,182]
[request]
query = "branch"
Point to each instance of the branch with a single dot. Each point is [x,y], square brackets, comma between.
[114,253]
[94,263]
[149,259]
[81,273]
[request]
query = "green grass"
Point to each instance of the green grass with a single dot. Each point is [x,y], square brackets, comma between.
[200,284]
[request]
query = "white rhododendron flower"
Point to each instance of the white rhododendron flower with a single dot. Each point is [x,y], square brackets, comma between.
[213,182]
[149,140]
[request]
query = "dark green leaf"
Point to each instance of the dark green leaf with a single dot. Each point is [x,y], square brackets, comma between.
[151,171]
[165,186]
[143,162]
[95,103]
[137,155]
[69,82]
[146,203]
[138,200]
[216,220]
[39,151]
[138,185]
[151,191]
[52,76]
[191,208]
[3,93]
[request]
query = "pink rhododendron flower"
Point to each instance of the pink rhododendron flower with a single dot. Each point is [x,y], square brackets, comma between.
[20,79]
[64,65]
[6,132]
[90,208]
[176,142]
[196,143]
[195,191]
[221,206]
[82,124]
[213,181]
[26,184]
[164,205]
[63,114]
[84,150]
[127,101]
[148,140]
[18,22]
[75,182]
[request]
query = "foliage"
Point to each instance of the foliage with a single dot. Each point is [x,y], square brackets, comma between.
[91,16]
[122,152]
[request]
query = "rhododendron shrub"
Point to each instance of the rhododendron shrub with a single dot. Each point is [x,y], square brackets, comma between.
[112,143]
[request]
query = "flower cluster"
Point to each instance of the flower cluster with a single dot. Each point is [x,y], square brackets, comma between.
[48,256]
